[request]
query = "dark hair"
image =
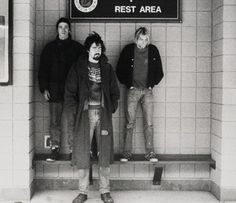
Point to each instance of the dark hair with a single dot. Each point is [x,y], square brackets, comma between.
[64,20]
[94,38]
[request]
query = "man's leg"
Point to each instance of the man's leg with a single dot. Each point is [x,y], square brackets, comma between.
[133,97]
[84,173]
[104,184]
[147,107]
[83,186]
[104,179]
[94,124]
[55,110]
[83,181]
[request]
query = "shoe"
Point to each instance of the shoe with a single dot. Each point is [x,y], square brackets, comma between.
[127,156]
[80,198]
[106,198]
[54,154]
[152,157]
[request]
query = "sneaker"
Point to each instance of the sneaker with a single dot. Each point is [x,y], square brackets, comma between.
[80,198]
[106,198]
[126,157]
[152,157]
[54,154]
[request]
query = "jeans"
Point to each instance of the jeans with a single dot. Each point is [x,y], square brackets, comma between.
[145,97]
[104,172]
[56,120]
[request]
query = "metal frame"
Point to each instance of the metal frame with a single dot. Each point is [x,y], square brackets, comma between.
[8,80]
[120,20]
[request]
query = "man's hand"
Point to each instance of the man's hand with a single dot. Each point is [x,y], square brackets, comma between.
[46,95]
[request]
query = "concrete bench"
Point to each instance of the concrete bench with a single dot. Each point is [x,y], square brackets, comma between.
[163,159]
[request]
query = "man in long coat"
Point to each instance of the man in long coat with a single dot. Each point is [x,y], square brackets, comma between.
[91,96]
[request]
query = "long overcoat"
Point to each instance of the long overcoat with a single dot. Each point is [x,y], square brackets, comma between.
[76,104]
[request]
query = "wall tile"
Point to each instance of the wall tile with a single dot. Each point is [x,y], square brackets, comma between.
[188,79]
[204,5]
[189,18]
[141,171]
[172,109]
[189,34]
[127,171]
[187,170]
[172,171]
[51,5]
[21,11]
[173,95]
[188,95]
[6,111]
[173,34]
[189,5]
[188,125]
[188,64]
[188,49]
[229,13]
[173,64]
[204,34]
[188,110]
[204,18]
[6,178]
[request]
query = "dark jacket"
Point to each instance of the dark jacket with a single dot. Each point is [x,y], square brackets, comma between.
[76,105]
[56,59]
[125,66]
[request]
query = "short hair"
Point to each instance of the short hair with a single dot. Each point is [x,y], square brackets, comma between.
[141,31]
[94,38]
[63,20]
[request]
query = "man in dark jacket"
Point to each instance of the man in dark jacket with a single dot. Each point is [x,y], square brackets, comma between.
[56,59]
[139,69]
[91,96]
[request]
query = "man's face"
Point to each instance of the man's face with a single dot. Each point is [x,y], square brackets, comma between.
[63,30]
[142,41]
[95,52]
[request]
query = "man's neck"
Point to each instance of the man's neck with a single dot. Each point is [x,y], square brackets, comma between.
[63,38]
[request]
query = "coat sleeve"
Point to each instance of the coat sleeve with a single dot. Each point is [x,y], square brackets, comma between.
[70,99]
[114,90]
[158,70]
[120,68]
[44,69]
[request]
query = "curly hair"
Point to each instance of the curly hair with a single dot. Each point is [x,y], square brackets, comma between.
[94,38]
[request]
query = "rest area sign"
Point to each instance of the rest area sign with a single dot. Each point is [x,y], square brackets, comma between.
[154,10]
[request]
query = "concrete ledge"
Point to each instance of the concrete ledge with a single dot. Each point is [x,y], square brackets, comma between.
[177,185]
[215,190]
[223,194]
[15,194]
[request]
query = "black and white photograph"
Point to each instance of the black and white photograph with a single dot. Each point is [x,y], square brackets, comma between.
[117,101]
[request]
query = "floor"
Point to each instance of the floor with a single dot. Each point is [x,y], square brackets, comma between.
[128,197]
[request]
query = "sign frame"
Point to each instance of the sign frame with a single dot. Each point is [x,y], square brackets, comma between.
[7,27]
[73,18]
